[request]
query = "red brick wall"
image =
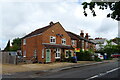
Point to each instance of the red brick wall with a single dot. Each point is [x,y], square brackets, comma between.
[35,42]
[56,29]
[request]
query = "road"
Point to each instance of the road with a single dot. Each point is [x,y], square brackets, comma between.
[105,70]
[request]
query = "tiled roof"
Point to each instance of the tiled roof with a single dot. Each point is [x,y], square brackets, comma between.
[58,46]
[77,37]
[99,41]
[74,36]
[38,31]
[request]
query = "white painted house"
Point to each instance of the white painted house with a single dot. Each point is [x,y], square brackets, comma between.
[101,42]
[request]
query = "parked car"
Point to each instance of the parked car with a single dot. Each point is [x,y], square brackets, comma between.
[99,55]
[115,55]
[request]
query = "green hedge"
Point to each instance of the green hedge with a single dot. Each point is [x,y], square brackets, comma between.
[84,56]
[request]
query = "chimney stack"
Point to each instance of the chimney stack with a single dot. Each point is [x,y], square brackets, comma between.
[86,36]
[82,33]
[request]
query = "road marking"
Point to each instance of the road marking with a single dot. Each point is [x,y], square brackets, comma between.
[102,74]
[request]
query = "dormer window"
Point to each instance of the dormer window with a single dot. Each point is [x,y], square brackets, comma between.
[63,41]
[52,39]
[24,41]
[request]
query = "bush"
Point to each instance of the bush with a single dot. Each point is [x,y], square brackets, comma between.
[97,59]
[84,56]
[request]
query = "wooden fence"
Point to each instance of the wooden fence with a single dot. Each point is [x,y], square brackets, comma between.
[8,59]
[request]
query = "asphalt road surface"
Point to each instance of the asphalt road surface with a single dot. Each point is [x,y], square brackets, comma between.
[103,71]
[107,70]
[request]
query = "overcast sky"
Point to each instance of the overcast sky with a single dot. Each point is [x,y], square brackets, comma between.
[20,18]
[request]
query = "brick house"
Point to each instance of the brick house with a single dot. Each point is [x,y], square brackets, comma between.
[47,44]
[81,42]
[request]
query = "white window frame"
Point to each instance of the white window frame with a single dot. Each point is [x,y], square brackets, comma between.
[63,41]
[83,44]
[42,53]
[66,54]
[87,45]
[35,53]
[72,53]
[52,37]
[58,52]
[24,54]
[24,41]
[73,42]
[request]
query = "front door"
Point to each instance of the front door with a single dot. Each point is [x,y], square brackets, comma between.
[48,55]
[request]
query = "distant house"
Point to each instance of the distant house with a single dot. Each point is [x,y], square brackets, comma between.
[80,42]
[101,42]
[47,44]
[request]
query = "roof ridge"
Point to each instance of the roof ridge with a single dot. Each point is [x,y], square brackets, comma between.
[39,30]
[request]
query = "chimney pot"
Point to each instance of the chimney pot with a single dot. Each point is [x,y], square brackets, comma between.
[51,23]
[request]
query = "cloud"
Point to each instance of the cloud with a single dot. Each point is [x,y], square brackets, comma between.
[20,18]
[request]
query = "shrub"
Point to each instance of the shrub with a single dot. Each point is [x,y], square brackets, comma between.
[84,56]
[97,59]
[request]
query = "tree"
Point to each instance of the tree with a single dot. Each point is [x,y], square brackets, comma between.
[7,48]
[116,40]
[16,44]
[110,49]
[113,6]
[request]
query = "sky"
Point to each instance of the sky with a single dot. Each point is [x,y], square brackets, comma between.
[19,18]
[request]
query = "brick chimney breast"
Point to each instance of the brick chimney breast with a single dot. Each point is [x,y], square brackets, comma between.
[86,36]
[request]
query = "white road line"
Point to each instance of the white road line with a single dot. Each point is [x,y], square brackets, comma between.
[101,74]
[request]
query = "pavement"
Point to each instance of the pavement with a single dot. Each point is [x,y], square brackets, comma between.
[10,68]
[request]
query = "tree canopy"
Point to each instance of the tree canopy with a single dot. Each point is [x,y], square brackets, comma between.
[113,6]
[16,45]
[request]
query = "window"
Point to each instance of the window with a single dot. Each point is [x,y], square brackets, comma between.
[68,53]
[87,45]
[57,55]
[64,41]
[35,53]
[83,44]
[52,39]
[42,53]
[24,54]
[24,41]
[73,42]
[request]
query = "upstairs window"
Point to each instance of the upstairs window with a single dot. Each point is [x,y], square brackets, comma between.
[64,41]
[24,41]
[52,39]
[73,42]
[83,44]
[87,46]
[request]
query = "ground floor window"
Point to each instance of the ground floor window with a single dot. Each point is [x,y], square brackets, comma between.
[58,53]
[68,53]
[42,53]
[24,54]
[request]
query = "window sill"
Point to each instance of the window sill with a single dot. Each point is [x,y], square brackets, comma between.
[57,57]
